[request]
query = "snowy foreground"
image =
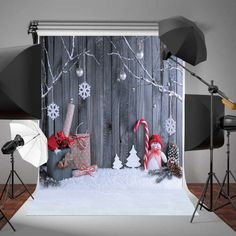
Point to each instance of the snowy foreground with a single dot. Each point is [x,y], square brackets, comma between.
[113,192]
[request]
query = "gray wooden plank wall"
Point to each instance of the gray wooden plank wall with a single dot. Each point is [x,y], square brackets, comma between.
[111,111]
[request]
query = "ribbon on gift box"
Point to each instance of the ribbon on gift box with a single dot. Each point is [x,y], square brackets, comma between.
[81,141]
[59,141]
[85,170]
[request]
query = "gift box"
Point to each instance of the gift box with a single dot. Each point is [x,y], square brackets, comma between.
[52,169]
[80,151]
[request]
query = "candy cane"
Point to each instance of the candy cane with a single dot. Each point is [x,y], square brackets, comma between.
[145,124]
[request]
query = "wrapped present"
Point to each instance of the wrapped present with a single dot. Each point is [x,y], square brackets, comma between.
[80,151]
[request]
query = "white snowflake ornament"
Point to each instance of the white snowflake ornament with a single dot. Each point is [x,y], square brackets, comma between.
[170,126]
[53,111]
[84,90]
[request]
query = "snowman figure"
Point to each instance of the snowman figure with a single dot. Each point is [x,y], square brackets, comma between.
[155,155]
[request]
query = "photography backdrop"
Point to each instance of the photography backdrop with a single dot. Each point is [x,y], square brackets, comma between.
[216,20]
[152,90]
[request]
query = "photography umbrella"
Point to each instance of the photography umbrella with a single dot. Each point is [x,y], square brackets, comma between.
[29,140]
[34,149]
[183,39]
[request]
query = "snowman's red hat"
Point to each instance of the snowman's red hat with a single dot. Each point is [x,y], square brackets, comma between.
[156,139]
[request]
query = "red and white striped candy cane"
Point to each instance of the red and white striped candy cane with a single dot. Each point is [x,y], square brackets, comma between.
[145,124]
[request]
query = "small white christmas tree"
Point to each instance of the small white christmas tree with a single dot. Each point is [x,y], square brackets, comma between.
[117,164]
[133,160]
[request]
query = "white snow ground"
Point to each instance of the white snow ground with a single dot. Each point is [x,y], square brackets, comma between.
[112,192]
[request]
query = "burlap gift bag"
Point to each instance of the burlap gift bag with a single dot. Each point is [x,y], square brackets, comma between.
[80,151]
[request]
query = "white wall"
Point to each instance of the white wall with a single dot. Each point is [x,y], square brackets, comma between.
[217,19]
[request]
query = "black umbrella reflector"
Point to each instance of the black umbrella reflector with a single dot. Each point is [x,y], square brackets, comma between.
[20,83]
[183,39]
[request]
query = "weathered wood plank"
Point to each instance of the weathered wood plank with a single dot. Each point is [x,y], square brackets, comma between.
[172,81]
[49,42]
[156,95]
[59,93]
[115,105]
[62,95]
[91,101]
[44,80]
[107,106]
[124,112]
[164,107]
[98,95]
[132,108]
[148,102]
[82,104]
[140,105]
[179,116]
[75,88]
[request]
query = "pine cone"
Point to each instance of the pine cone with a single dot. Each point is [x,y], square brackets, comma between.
[173,152]
[175,169]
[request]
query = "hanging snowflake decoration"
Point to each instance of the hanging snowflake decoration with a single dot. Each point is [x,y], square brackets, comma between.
[84,90]
[53,111]
[170,126]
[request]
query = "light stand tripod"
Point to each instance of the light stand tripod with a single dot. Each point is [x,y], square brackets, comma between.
[212,89]
[11,178]
[226,177]
[2,215]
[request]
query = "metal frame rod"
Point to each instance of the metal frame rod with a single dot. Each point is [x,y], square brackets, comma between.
[210,86]
[92,28]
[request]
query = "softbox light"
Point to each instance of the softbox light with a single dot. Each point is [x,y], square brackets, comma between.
[20,82]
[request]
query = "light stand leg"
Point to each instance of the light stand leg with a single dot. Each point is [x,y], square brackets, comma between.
[234,180]
[11,177]
[232,175]
[227,176]
[23,185]
[226,196]
[4,217]
[211,149]
[201,199]
[228,156]
[5,186]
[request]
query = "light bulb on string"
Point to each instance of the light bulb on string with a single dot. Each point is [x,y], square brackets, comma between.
[79,70]
[122,75]
[140,52]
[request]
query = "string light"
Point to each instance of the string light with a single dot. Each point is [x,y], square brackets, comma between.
[122,75]
[140,52]
[79,72]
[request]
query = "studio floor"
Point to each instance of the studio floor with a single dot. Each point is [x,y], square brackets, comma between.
[204,224]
